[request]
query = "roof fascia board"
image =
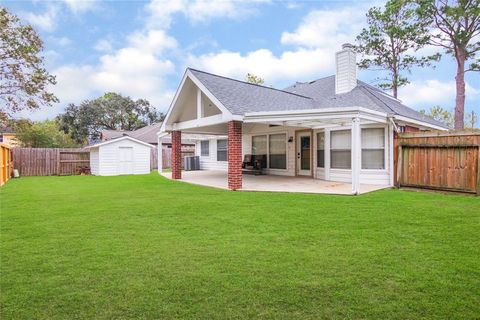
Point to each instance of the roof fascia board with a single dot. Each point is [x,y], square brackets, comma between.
[202,122]
[417,122]
[324,114]
[120,139]
[315,111]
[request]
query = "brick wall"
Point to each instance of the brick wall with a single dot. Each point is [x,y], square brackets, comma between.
[176,160]
[234,155]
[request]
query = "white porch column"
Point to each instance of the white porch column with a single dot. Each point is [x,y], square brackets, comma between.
[356,155]
[327,154]
[200,113]
[160,154]
[391,147]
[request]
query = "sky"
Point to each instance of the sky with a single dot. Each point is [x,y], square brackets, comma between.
[141,48]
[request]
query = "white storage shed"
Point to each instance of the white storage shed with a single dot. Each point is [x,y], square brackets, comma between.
[120,156]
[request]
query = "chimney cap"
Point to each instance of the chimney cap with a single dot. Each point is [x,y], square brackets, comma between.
[347,46]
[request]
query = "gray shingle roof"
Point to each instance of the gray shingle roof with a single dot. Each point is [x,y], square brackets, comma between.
[240,97]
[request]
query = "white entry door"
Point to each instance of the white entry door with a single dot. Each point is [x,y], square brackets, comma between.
[304,154]
[125,156]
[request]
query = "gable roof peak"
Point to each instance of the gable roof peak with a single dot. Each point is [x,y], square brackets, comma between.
[246,82]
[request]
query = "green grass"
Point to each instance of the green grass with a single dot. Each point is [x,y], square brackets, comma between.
[146,247]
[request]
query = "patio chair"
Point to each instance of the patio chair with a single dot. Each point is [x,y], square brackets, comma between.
[253,164]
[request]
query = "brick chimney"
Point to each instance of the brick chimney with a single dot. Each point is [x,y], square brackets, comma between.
[346,73]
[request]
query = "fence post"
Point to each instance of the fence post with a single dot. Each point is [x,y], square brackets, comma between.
[478,171]
[399,165]
[58,162]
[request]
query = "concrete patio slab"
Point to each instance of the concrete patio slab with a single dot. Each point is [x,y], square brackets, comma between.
[272,183]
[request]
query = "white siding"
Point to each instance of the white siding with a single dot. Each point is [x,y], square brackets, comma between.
[94,161]
[109,158]
[210,162]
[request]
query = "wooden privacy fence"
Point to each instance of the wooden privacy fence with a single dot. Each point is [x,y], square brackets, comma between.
[50,161]
[167,156]
[5,163]
[444,161]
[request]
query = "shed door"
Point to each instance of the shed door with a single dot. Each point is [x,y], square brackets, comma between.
[125,157]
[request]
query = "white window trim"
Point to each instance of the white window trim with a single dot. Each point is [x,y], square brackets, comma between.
[208,155]
[346,128]
[268,148]
[385,153]
[216,151]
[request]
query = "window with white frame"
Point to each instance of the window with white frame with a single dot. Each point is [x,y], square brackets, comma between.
[341,149]
[205,148]
[259,145]
[222,150]
[277,151]
[321,150]
[373,148]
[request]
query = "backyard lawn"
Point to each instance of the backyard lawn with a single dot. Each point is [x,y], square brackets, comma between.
[145,247]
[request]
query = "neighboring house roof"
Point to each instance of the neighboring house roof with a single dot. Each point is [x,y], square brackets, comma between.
[112,134]
[146,134]
[119,139]
[7,129]
[241,97]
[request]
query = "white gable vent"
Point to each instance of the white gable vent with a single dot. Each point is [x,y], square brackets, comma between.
[346,75]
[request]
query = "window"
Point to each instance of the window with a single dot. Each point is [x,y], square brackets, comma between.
[340,149]
[278,151]
[259,145]
[373,148]
[222,150]
[205,148]
[321,150]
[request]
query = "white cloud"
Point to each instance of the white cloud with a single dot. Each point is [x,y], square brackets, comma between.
[327,28]
[315,41]
[45,21]
[153,41]
[81,6]
[290,65]
[195,11]
[425,94]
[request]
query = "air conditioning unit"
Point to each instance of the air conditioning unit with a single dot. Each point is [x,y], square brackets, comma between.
[192,163]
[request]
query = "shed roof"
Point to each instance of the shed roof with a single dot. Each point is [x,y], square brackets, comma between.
[120,139]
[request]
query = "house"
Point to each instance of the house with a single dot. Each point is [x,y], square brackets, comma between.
[7,136]
[120,156]
[336,129]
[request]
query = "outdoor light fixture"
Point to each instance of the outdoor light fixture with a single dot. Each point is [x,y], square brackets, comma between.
[290,139]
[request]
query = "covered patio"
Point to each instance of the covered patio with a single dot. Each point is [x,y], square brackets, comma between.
[272,183]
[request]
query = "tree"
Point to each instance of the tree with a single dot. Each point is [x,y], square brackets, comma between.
[23,79]
[111,111]
[44,134]
[471,119]
[455,28]
[392,36]
[251,78]
[440,114]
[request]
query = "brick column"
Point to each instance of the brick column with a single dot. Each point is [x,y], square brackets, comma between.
[234,155]
[176,160]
